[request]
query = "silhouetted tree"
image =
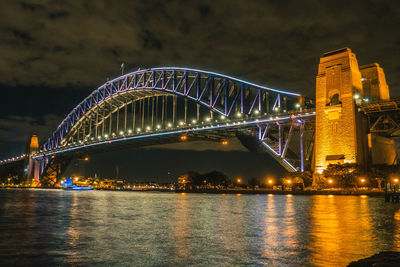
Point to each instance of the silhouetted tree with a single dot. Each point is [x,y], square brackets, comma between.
[216,178]
[306,176]
[253,182]
[345,175]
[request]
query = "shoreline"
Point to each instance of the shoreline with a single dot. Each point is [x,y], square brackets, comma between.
[278,192]
[237,191]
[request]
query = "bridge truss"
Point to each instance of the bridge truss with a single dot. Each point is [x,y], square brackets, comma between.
[383,117]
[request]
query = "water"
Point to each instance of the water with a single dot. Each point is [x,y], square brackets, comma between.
[55,227]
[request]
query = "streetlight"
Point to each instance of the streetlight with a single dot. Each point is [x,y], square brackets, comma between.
[396,180]
[330,181]
[238,180]
[270,182]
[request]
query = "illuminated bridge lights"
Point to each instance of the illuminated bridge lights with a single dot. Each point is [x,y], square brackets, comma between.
[178,131]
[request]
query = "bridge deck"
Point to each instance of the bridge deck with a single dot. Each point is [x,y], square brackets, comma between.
[382,106]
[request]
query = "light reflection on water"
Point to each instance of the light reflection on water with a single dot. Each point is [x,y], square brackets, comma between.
[53,227]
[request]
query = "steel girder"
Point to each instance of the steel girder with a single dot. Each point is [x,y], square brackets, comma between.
[51,169]
[383,117]
[290,142]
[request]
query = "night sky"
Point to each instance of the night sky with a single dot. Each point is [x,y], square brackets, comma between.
[54,53]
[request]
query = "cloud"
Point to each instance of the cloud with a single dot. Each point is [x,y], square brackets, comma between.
[276,43]
[19,128]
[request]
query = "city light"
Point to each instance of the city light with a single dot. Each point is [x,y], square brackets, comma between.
[148,128]
[289,181]
[297,105]
[138,130]
[181,123]
[208,119]
[396,180]
[238,180]
[356,96]
[256,111]
[224,142]
[330,181]
[169,125]
[238,114]
[86,158]
[158,126]
[270,181]
[222,117]
[121,133]
[183,137]
[362,180]
[194,121]
[129,131]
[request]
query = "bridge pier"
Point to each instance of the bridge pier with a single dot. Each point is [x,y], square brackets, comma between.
[342,87]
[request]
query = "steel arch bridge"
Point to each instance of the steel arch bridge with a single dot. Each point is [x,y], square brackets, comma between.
[160,105]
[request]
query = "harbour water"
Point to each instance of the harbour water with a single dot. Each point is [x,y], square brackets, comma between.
[56,227]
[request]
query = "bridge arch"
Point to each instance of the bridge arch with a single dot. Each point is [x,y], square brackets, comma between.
[216,93]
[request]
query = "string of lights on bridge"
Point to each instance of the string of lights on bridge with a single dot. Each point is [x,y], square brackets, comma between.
[178,129]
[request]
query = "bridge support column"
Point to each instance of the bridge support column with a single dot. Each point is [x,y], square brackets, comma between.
[338,128]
